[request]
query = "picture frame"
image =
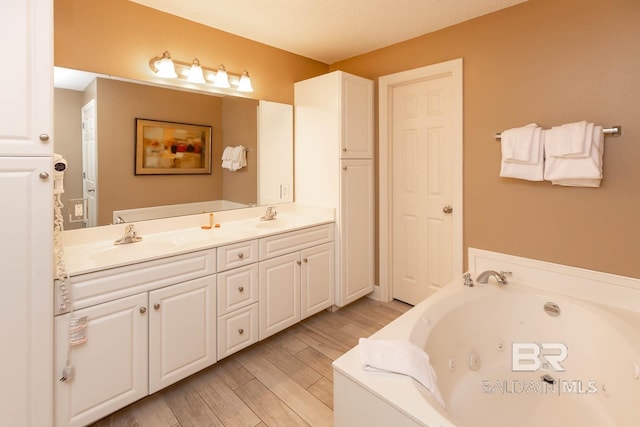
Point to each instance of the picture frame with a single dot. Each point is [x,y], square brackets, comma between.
[172,148]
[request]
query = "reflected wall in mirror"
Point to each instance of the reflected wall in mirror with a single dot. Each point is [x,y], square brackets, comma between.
[234,121]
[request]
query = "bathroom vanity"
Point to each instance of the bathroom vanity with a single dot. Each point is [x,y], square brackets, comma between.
[181,299]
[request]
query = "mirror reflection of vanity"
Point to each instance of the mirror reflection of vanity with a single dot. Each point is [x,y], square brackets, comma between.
[264,128]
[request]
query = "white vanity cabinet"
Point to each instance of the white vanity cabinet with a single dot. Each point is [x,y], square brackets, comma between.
[237,297]
[334,169]
[149,325]
[296,277]
[110,368]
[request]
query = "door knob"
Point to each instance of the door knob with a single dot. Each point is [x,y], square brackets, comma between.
[447,209]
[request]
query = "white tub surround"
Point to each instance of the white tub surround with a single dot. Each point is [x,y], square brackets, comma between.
[474,335]
[184,297]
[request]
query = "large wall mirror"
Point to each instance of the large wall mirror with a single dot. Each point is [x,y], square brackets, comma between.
[95,132]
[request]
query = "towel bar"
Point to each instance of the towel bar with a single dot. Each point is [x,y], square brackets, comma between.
[613,130]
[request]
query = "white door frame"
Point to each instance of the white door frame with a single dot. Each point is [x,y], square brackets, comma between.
[385,87]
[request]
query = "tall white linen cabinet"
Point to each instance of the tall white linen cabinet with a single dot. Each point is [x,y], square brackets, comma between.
[26,229]
[334,168]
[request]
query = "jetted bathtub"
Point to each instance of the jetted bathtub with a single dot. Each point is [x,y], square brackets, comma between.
[503,359]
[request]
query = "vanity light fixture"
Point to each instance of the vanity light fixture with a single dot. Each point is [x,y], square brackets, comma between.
[166,67]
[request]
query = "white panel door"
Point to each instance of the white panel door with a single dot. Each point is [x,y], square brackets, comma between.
[317,279]
[356,230]
[90,162]
[110,367]
[422,188]
[27,290]
[279,293]
[182,331]
[26,78]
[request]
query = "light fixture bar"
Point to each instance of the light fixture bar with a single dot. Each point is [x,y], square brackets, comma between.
[166,67]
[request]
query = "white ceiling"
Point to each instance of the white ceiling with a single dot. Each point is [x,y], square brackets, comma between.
[329,30]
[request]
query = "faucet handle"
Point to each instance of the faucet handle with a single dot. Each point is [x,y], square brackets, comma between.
[468,281]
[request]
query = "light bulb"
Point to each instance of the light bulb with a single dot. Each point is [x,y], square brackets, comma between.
[195,73]
[222,79]
[245,83]
[166,67]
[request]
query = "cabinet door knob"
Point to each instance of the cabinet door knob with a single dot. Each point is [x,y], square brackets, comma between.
[344,149]
[240,255]
[143,310]
[241,331]
[299,262]
[156,306]
[305,259]
[240,288]
[43,176]
[344,168]
[44,137]
[447,209]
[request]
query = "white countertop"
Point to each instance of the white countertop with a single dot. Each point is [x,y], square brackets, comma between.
[92,249]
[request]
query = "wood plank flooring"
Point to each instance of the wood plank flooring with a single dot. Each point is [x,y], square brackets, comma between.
[285,380]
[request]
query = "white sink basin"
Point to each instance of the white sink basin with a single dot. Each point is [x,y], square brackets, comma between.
[141,248]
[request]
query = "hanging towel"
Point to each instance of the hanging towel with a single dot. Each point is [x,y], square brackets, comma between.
[522,153]
[577,171]
[571,140]
[226,157]
[400,357]
[234,158]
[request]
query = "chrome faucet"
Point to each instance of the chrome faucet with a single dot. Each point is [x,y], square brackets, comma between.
[468,281]
[501,277]
[270,214]
[130,236]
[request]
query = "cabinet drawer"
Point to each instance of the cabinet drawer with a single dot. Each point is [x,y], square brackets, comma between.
[237,330]
[237,288]
[106,285]
[285,243]
[238,254]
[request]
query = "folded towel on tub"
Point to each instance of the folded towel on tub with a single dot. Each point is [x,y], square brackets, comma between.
[400,357]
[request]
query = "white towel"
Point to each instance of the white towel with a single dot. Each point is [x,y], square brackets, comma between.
[577,171]
[400,357]
[226,157]
[522,153]
[571,140]
[234,158]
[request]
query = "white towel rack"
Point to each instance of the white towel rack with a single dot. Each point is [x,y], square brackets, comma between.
[613,130]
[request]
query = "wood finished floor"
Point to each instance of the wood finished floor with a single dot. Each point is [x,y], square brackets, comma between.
[285,380]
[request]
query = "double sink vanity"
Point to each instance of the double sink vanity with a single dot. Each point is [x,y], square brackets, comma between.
[182,298]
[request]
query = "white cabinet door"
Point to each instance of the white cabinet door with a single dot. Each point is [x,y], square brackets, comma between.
[279,293]
[317,279]
[357,117]
[356,233]
[26,303]
[110,368]
[182,331]
[26,84]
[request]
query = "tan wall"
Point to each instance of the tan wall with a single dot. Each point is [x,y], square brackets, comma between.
[68,137]
[119,37]
[549,62]
[119,104]
[240,127]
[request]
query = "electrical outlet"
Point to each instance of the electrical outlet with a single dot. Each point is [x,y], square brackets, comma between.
[77,210]
[284,191]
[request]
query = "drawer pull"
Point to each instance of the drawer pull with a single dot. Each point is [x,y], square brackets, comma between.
[143,310]
[240,288]
[241,331]
[240,255]
[299,262]
[305,259]
[156,306]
